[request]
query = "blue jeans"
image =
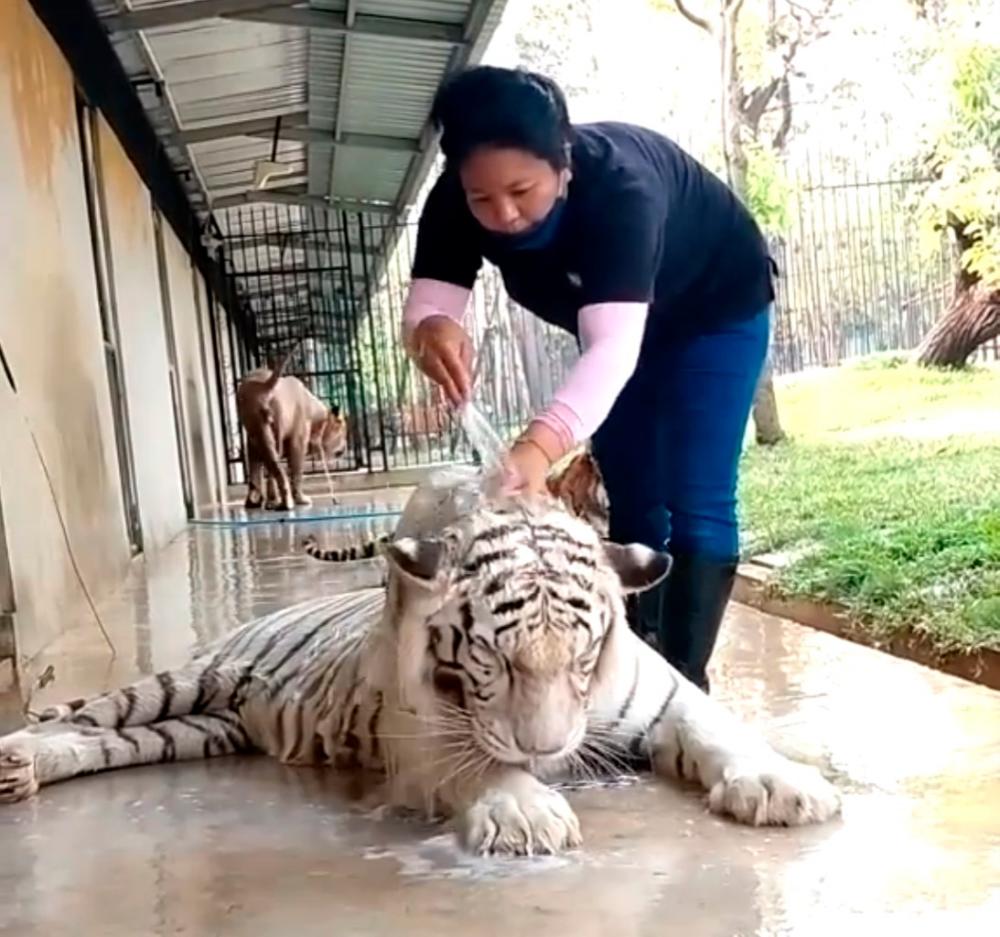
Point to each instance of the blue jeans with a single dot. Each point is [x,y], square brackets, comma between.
[670,449]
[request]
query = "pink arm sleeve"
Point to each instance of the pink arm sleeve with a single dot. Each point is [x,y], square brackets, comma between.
[433,298]
[610,335]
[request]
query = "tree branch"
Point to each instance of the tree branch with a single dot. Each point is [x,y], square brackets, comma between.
[753,105]
[692,17]
[781,134]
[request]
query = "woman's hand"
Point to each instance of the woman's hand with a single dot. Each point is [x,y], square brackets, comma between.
[442,349]
[530,458]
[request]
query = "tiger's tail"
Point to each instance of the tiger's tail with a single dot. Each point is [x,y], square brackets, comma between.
[278,371]
[367,550]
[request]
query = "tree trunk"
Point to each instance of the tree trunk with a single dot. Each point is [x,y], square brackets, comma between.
[972,319]
[767,425]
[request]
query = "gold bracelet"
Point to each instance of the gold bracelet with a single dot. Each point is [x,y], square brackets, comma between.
[527,440]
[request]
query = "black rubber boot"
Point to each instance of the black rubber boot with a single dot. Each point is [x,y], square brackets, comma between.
[684,612]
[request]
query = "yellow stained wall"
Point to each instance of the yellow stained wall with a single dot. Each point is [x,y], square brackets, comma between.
[59,473]
[136,282]
[187,300]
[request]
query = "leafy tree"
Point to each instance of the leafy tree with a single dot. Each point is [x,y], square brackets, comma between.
[964,200]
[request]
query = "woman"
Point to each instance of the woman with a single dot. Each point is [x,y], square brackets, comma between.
[615,234]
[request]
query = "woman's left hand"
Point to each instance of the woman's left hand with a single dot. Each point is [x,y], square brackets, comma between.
[529,460]
[526,468]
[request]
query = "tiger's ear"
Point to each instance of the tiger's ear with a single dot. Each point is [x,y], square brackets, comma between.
[419,561]
[638,567]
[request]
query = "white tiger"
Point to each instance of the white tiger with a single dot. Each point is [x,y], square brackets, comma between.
[498,657]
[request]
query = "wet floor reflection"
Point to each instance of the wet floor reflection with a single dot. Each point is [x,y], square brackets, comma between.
[245,846]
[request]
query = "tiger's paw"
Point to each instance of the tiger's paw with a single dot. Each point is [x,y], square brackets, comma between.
[17,774]
[526,819]
[303,500]
[782,793]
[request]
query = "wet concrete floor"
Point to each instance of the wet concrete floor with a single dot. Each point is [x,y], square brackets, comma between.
[244,846]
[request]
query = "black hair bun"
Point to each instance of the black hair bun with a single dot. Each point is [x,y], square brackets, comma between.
[502,107]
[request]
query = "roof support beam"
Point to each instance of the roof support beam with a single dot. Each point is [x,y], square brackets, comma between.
[238,128]
[389,27]
[350,15]
[284,13]
[177,14]
[264,127]
[310,201]
[371,141]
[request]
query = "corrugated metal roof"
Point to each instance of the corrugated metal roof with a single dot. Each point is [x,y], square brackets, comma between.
[352,80]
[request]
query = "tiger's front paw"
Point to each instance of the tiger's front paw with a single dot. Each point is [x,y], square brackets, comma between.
[780,793]
[17,774]
[524,819]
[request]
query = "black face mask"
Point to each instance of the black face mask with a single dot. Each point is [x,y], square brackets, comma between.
[540,235]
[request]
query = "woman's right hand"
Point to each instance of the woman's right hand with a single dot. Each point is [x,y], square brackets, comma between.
[442,349]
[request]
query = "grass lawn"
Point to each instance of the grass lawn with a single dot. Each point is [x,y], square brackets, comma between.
[887,497]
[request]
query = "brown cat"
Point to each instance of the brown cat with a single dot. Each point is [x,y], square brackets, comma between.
[282,417]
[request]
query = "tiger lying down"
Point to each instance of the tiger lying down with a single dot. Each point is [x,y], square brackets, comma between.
[497,657]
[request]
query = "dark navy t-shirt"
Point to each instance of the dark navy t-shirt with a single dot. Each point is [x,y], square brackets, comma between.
[644,222]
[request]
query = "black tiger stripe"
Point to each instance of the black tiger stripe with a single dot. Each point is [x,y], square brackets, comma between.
[500,629]
[128,738]
[627,705]
[679,760]
[467,618]
[169,690]
[494,533]
[511,605]
[364,551]
[373,721]
[477,563]
[248,669]
[234,731]
[246,675]
[242,639]
[192,724]
[641,738]
[82,719]
[208,682]
[325,678]
[456,642]
[287,656]
[131,700]
[351,739]
[332,698]
[495,585]
[169,752]
[106,754]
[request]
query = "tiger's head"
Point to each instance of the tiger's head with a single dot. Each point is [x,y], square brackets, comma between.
[509,622]
[328,438]
[576,481]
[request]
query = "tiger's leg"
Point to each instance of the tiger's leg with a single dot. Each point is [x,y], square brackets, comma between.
[296,459]
[255,476]
[58,750]
[271,457]
[657,713]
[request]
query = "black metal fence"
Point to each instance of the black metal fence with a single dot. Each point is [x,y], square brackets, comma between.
[853,281]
